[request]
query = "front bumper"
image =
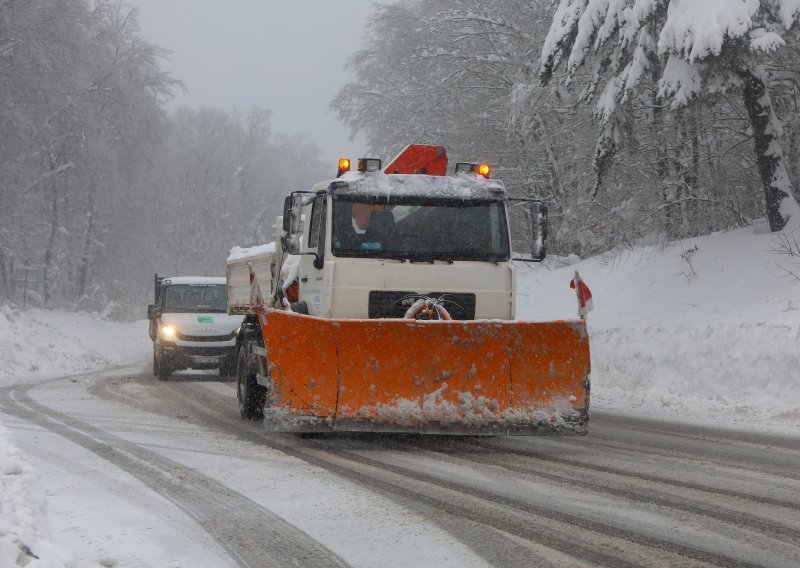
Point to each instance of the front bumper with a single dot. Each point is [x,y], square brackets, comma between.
[188,355]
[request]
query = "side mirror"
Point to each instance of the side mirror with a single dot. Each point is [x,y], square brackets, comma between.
[292,217]
[538,231]
[153,312]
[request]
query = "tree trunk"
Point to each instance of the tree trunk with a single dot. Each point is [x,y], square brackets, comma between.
[769,154]
[84,263]
[659,135]
[51,242]
[692,176]
[676,212]
[658,131]
[5,281]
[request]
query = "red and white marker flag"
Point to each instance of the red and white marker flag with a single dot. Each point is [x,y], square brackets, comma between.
[256,299]
[585,303]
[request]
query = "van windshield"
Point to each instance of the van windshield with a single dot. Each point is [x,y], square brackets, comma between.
[195,298]
[420,230]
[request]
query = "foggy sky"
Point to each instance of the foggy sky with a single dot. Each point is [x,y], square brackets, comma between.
[288,56]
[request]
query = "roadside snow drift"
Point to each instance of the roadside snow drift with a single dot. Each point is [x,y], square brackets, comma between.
[702,330]
[35,345]
[24,534]
[38,344]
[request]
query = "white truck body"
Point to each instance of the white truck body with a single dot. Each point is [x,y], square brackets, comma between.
[261,261]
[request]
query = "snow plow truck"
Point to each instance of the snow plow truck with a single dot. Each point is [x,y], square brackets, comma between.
[387,303]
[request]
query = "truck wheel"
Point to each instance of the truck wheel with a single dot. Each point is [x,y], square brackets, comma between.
[250,394]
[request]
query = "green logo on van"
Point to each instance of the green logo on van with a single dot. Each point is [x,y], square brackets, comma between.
[205,319]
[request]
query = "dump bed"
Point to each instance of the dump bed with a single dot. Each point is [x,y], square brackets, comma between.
[242,263]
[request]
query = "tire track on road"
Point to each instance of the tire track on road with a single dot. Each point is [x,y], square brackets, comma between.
[436,503]
[252,535]
[202,407]
[438,499]
[647,495]
[776,458]
[505,447]
[583,538]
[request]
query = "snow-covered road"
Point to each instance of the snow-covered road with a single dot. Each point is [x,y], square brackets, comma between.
[146,473]
[135,472]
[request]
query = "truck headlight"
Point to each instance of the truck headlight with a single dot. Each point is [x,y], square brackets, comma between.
[168,331]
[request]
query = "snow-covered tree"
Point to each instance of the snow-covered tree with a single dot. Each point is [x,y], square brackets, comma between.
[695,48]
[99,185]
[446,72]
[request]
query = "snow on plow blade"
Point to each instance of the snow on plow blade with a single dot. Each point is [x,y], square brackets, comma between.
[451,377]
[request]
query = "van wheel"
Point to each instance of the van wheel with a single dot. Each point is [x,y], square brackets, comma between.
[250,394]
[227,371]
[160,369]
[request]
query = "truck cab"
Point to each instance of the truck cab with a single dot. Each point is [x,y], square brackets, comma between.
[373,244]
[190,326]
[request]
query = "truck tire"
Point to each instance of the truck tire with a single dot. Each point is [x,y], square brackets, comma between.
[250,394]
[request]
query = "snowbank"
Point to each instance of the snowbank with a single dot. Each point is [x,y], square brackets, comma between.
[37,344]
[34,345]
[24,533]
[703,330]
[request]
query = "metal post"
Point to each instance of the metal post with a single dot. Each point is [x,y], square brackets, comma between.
[29,278]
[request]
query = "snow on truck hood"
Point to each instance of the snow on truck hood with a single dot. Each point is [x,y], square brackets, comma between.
[202,323]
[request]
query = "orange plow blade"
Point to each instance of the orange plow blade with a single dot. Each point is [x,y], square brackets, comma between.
[453,377]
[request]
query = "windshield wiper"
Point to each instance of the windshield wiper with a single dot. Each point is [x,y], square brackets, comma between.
[418,258]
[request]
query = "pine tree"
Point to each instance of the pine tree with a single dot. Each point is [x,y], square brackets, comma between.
[698,48]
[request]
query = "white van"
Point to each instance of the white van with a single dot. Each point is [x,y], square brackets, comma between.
[190,326]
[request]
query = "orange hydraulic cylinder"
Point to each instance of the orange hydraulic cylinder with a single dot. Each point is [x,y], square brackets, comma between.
[420,159]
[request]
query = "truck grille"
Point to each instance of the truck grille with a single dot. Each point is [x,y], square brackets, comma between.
[389,305]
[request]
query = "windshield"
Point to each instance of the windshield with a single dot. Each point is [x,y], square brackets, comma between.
[195,298]
[420,231]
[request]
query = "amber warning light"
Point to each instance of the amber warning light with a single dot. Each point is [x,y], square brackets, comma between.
[480,169]
[344,166]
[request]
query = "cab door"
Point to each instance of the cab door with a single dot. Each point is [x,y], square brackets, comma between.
[312,262]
